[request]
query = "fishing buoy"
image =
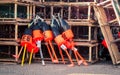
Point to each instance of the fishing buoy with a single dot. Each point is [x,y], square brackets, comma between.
[104,43]
[68,34]
[119,34]
[26,40]
[37,34]
[32,46]
[59,40]
[48,35]
[69,45]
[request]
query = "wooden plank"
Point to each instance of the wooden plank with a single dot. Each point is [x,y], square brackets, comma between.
[80,24]
[85,40]
[116,40]
[7,39]
[85,44]
[11,43]
[64,3]
[102,19]
[112,21]
[103,3]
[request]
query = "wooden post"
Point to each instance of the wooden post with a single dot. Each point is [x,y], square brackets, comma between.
[96,52]
[15,11]
[89,33]
[16,29]
[69,12]
[90,54]
[44,13]
[89,12]
[34,10]
[77,12]
[28,12]
[62,12]
[51,11]
[16,37]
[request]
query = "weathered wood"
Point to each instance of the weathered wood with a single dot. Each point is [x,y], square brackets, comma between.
[85,44]
[103,3]
[85,40]
[112,21]
[7,39]
[102,19]
[116,40]
[11,43]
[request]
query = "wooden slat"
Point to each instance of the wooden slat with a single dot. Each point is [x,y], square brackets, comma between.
[9,43]
[85,40]
[112,21]
[65,3]
[6,39]
[85,44]
[116,40]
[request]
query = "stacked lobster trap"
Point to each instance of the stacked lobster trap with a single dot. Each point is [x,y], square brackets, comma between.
[17,15]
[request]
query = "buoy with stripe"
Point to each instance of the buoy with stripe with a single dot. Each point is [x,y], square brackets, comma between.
[48,37]
[38,37]
[37,33]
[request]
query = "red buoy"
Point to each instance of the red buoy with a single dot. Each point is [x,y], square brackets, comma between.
[32,46]
[104,43]
[69,44]
[119,34]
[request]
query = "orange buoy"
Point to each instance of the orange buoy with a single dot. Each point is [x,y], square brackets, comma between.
[32,46]
[37,35]
[59,40]
[26,40]
[68,34]
[48,35]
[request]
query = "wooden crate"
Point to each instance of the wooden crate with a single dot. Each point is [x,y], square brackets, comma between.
[88,50]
